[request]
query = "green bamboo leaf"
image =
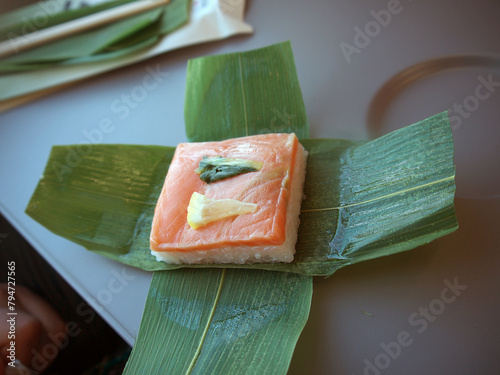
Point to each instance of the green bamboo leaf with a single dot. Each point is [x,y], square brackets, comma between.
[114,54]
[203,324]
[108,42]
[393,194]
[239,94]
[109,213]
[174,15]
[363,199]
[45,14]
[253,323]
[84,44]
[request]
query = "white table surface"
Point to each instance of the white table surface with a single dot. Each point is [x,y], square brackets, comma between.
[457,335]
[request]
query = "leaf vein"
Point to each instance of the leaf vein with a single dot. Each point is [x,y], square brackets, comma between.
[209,322]
[382,197]
[243,96]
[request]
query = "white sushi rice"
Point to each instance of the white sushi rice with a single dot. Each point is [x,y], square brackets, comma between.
[253,254]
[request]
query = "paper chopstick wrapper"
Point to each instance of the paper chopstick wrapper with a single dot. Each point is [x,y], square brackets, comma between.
[79,25]
[209,20]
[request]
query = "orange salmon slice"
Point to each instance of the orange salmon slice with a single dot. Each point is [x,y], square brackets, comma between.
[244,238]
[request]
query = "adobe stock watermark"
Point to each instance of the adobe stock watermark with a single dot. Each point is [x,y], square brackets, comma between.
[419,321]
[471,103]
[364,35]
[120,109]
[57,342]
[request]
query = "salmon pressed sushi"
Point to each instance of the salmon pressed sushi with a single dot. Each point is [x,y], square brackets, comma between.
[234,201]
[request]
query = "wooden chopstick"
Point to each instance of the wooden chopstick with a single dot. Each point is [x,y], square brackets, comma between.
[35,39]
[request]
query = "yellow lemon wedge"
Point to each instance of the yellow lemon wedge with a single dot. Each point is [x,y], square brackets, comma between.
[202,210]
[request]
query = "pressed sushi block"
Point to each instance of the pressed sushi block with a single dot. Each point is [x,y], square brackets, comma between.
[251,216]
